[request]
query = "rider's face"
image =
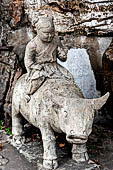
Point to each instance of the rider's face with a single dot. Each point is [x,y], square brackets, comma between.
[46,34]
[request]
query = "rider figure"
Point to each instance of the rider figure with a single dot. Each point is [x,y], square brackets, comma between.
[41,57]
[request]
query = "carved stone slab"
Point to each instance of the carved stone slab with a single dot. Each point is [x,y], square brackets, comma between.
[78,64]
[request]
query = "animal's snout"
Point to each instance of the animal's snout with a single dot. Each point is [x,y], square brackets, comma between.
[74,138]
[77,137]
[82,137]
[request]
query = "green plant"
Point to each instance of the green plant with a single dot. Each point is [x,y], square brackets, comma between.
[8,131]
[1,124]
[2,127]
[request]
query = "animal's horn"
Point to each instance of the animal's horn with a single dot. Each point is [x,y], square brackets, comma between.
[99,102]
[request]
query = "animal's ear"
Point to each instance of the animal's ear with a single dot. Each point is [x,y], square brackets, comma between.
[96,104]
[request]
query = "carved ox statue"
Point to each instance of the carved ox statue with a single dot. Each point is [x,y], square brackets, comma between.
[56,106]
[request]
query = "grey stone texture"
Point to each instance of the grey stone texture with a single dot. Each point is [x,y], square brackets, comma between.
[84,61]
[107,64]
[84,17]
[94,48]
[10,159]
[78,64]
[10,61]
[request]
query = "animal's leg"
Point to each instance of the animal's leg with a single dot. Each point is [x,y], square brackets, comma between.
[49,145]
[17,128]
[79,153]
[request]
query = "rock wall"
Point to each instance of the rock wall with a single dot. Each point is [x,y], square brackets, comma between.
[107,66]
[14,35]
[81,25]
[94,48]
[85,17]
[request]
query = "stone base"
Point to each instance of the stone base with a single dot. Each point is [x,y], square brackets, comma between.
[33,152]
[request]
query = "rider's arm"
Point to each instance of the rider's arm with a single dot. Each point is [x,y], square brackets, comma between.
[29,55]
[61,52]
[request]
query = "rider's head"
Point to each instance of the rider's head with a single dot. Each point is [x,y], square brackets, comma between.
[45,29]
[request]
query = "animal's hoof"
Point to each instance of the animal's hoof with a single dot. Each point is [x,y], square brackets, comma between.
[18,140]
[80,157]
[50,164]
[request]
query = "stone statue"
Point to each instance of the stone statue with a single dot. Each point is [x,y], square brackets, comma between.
[41,57]
[56,103]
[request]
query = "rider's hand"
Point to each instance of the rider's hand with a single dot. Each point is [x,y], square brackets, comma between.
[36,66]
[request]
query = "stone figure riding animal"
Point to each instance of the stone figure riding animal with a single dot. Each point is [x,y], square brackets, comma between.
[49,99]
[50,110]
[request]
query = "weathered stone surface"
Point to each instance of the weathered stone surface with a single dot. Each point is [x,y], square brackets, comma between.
[108,75]
[41,114]
[11,62]
[94,48]
[83,17]
[107,68]
[10,159]
[78,64]
[5,73]
[16,12]
[3,161]
[9,73]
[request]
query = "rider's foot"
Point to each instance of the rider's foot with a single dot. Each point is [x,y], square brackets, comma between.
[28,98]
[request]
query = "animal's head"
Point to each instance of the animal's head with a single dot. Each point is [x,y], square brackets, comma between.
[76,117]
